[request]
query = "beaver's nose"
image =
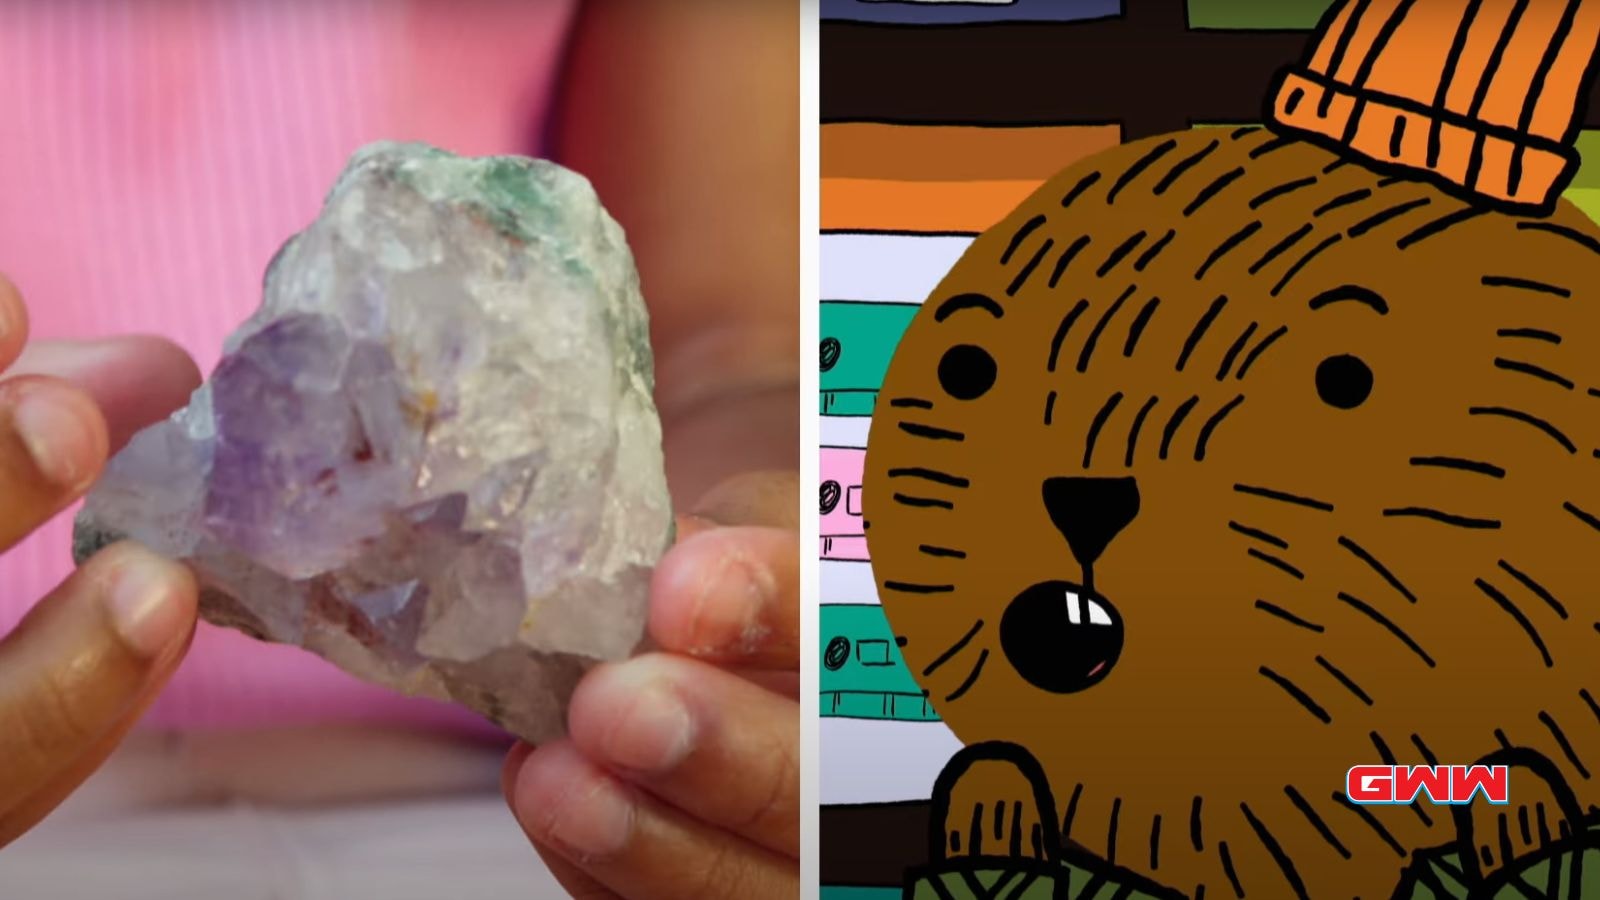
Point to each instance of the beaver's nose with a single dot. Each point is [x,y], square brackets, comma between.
[1090,512]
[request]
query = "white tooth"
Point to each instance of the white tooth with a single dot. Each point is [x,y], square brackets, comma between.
[1074,610]
[1098,614]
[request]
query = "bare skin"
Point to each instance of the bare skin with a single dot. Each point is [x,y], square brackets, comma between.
[680,778]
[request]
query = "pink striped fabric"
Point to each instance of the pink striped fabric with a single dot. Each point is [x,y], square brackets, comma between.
[152,158]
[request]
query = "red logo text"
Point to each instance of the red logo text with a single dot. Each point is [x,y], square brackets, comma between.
[1442,784]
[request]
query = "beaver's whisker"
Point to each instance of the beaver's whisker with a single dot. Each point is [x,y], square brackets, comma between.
[1154,250]
[1345,680]
[1303,261]
[1440,225]
[1211,190]
[1028,227]
[906,587]
[910,403]
[1277,563]
[948,552]
[1464,465]
[1287,616]
[1138,167]
[1049,407]
[1199,330]
[1117,255]
[1275,849]
[1061,332]
[1367,610]
[1586,518]
[1589,701]
[1571,234]
[1562,742]
[1155,842]
[1027,270]
[1280,248]
[1196,827]
[1222,249]
[1371,822]
[1138,326]
[1182,166]
[1539,372]
[1372,562]
[1111,831]
[1083,184]
[1344,199]
[1234,350]
[931,433]
[1500,735]
[953,649]
[1517,615]
[1532,334]
[1298,693]
[1273,193]
[1066,258]
[1228,869]
[1457,521]
[1099,328]
[1260,535]
[1525,284]
[1210,427]
[1099,423]
[1382,216]
[1173,423]
[922,502]
[1316,821]
[1537,589]
[933,475]
[971,679]
[1138,424]
[1422,748]
[1072,810]
[1260,348]
[1282,497]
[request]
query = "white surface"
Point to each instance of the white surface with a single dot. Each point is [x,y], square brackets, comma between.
[810,156]
[324,815]
[887,268]
[866,761]
[843,431]
[848,582]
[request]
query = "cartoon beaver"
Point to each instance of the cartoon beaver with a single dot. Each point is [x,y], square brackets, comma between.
[1238,457]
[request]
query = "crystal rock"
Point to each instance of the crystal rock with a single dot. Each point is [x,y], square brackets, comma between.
[431,456]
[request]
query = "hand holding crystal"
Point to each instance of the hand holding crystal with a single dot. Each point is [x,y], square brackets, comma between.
[87,659]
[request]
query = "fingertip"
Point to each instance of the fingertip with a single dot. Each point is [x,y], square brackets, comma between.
[512,766]
[151,602]
[60,428]
[13,322]
[562,799]
[710,595]
[633,716]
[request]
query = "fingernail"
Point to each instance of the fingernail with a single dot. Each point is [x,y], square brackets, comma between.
[652,730]
[144,604]
[58,438]
[730,607]
[574,804]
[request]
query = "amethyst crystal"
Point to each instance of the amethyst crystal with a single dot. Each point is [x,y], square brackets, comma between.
[431,456]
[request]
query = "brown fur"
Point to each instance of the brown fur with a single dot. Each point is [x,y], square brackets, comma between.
[1187,718]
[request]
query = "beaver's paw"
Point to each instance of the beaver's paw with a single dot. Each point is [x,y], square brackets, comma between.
[1497,839]
[992,800]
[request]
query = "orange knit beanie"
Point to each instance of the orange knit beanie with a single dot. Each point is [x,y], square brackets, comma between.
[1486,95]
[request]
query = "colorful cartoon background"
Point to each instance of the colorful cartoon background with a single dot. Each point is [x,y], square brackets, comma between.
[938,118]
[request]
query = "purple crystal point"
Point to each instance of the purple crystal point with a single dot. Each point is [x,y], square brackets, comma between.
[431,456]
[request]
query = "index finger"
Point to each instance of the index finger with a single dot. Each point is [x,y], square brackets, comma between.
[730,596]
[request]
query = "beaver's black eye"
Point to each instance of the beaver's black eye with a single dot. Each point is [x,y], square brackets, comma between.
[1344,382]
[966,372]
